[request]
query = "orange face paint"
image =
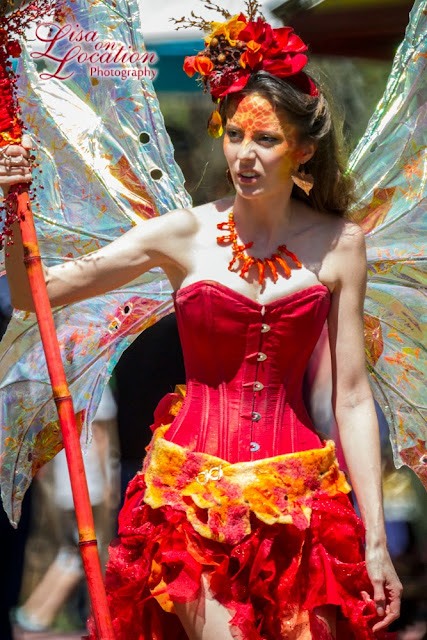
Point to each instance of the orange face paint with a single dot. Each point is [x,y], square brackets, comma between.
[252,121]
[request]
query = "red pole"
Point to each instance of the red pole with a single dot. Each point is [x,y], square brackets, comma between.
[70,435]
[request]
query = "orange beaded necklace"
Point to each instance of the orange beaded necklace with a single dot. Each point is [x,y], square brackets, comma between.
[239,253]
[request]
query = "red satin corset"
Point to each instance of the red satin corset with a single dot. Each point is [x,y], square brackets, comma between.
[245,365]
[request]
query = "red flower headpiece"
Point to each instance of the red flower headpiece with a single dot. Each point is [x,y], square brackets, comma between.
[240,47]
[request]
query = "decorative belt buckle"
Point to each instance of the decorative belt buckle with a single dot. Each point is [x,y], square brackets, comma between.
[215,474]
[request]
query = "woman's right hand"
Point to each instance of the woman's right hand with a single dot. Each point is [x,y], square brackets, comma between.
[15,163]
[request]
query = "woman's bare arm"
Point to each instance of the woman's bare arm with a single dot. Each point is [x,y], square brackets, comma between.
[356,416]
[158,242]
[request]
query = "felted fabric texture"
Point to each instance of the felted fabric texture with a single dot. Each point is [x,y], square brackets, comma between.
[218,497]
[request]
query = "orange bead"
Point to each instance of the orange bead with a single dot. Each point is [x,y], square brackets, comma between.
[284,265]
[283,249]
[273,269]
[261,270]
[231,263]
[247,264]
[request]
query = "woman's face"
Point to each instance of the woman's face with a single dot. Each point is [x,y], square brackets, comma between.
[260,146]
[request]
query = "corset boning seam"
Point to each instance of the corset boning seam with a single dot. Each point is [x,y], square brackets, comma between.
[222,417]
[204,427]
[244,394]
[278,416]
[223,421]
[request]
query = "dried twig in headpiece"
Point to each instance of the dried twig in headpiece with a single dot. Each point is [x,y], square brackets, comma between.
[252,10]
[195,21]
[215,7]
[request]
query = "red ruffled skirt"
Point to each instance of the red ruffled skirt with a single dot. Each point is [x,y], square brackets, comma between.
[273,549]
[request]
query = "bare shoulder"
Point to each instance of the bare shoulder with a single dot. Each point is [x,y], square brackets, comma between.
[351,247]
[168,233]
[348,256]
[181,222]
[180,226]
[339,245]
[204,217]
[349,239]
[350,236]
[321,222]
[342,234]
[188,220]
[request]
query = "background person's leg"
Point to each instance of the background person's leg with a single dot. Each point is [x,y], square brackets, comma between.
[60,580]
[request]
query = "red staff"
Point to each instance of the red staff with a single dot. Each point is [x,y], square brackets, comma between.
[18,208]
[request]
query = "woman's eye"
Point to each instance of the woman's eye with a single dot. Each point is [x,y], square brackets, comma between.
[233,135]
[268,139]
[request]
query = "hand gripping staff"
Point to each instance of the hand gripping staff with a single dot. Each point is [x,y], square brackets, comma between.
[18,206]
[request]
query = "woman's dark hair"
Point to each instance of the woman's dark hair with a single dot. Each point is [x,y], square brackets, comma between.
[333,191]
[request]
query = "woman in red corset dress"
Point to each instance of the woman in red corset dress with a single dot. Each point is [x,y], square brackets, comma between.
[240,525]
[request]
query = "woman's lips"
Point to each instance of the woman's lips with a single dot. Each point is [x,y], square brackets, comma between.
[248,177]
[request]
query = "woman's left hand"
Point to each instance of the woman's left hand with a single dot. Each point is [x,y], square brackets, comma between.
[386,584]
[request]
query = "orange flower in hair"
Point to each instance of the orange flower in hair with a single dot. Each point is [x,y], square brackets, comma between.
[230,29]
[189,66]
[203,65]
[198,64]
[252,56]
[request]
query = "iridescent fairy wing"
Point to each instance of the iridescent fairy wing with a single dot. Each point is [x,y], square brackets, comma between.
[107,162]
[391,161]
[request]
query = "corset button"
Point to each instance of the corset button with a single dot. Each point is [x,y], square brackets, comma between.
[265,328]
[261,357]
[255,446]
[258,386]
[256,416]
